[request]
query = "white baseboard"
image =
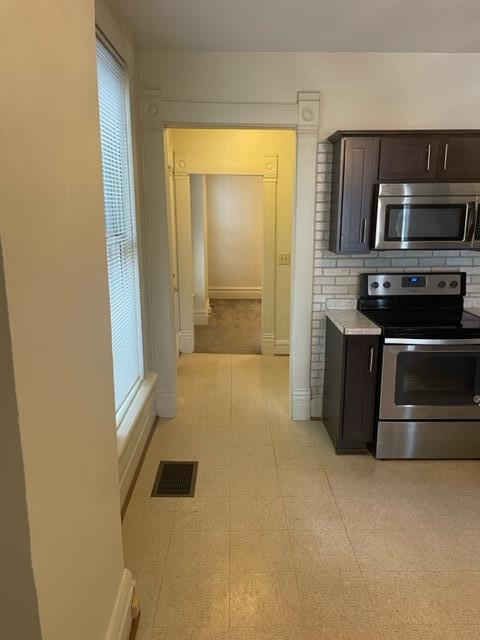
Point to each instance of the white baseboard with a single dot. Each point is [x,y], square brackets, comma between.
[121,619]
[268,344]
[201,316]
[281,347]
[186,341]
[133,437]
[235,293]
[301,404]
[316,406]
[166,403]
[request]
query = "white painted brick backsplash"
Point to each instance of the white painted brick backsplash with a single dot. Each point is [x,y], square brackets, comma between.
[336,277]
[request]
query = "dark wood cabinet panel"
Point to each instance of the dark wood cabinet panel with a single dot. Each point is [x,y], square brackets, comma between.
[459,158]
[407,158]
[355,167]
[359,392]
[350,388]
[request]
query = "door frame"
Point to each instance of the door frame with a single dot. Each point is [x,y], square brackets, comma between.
[155,116]
[182,169]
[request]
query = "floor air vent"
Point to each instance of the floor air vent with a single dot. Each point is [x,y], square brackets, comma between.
[175,479]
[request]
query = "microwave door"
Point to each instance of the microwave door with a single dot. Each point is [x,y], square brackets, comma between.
[416,222]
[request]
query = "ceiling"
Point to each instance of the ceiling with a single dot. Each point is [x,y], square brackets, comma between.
[305,25]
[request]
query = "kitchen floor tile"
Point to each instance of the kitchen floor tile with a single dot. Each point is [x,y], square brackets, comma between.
[284,539]
[264,599]
[260,551]
[249,513]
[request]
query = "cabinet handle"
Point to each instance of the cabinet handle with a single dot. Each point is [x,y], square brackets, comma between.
[364,229]
[370,361]
[429,155]
[445,157]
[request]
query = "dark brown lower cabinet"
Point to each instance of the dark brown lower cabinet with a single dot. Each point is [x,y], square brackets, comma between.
[349,393]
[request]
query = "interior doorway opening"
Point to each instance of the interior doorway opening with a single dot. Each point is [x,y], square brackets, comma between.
[238,187]
[227,263]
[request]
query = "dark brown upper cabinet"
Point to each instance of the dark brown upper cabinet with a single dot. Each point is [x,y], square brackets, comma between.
[459,158]
[355,168]
[408,158]
[362,159]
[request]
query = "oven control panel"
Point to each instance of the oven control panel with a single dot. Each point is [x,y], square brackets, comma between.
[407,284]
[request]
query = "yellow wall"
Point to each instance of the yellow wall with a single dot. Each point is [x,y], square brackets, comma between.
[212,147]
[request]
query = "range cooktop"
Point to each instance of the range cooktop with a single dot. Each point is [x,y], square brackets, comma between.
[420,305]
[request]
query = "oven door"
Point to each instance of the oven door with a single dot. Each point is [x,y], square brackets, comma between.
[420,222]
[430,380]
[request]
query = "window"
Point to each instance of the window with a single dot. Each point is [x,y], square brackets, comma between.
[122,255]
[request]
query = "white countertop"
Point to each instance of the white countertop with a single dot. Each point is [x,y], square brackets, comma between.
[352,322]
[474,310]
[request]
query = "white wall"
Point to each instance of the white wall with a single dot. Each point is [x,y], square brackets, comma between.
[358,90]
[234,219]
[52,230]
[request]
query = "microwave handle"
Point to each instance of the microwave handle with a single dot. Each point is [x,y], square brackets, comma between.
[471,221]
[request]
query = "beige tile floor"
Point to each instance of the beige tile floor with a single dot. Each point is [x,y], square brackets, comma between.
[284,540]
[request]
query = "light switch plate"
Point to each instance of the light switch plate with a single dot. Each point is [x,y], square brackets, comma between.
[284,258]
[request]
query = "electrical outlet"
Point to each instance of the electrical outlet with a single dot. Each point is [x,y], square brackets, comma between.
[283,258]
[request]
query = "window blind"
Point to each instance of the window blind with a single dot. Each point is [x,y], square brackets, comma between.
[122,255]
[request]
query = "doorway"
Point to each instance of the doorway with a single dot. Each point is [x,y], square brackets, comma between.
[227,263]
[216,165]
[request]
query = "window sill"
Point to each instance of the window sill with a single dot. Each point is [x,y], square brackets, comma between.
[127,425]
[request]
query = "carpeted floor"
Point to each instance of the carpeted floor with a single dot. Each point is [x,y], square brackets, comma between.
[234,327]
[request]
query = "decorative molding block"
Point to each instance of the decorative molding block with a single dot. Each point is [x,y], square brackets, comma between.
[301,404]
[186,341]
[308,113]
[281,348]
[166,403]
[268,344]
[270,169]
[181,168]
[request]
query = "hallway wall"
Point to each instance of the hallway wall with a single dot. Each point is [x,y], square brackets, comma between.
[234,215]
[52,230]
[18,595]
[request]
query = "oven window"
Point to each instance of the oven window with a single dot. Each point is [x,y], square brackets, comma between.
[444,378]
[409,222]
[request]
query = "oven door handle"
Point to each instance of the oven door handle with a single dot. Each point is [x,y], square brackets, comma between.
[432,341]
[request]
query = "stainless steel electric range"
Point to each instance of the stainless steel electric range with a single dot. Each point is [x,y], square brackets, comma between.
[429,400]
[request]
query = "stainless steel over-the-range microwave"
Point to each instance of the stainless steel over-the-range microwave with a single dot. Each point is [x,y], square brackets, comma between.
[428,216]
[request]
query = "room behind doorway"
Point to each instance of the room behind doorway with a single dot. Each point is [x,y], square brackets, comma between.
[233,256]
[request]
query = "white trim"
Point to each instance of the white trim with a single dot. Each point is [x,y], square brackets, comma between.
[235,293]
[302,269]
[133,433]
[316,407]
[121,620]
[268,342]
[201,316]
[301,404]
[281,347]
[186,341]
[155,114]
[166,403]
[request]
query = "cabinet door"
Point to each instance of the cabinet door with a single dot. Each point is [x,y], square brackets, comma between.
[459,158]
[404,158]
[359,391]
[360,167]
